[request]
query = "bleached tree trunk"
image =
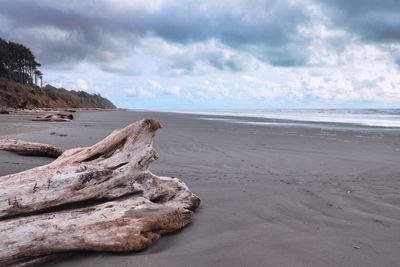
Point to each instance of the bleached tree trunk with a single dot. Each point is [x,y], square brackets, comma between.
[29,148]
[101,197]
[126,225]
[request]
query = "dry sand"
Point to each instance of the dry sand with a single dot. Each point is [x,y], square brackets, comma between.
[271,196]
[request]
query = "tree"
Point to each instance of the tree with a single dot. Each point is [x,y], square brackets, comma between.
[17,63]
[38,75]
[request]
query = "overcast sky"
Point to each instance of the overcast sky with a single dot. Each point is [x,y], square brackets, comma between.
[208,54]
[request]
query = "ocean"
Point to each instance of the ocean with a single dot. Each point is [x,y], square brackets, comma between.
[383,118]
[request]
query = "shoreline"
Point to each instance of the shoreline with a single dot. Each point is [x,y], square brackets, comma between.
[19,118]
[275,116]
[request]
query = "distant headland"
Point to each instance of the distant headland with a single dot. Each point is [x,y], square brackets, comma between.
[21,84]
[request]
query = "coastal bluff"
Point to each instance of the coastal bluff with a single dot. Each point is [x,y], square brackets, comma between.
[17,95]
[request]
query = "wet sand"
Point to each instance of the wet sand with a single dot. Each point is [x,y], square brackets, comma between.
[271,196]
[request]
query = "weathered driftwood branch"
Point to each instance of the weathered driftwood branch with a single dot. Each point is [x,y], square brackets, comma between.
[126,225]
[55,117]
[29,148]
[36,220]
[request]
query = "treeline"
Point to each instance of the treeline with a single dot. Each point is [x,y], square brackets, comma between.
[17,63]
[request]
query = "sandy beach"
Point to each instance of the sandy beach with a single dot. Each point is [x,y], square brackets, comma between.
[271,195]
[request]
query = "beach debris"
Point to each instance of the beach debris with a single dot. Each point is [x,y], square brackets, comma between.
[26,148]
[286,182]
[100,198]
[58,134]
[3,110]
[59,117]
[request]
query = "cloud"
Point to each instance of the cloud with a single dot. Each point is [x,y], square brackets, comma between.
[273,31]
[82,85]
[373,20]
[174,90]
[66,34]
[261,50]
[155,84]
[105,31]
[139,92]
[198,58]
[153,89]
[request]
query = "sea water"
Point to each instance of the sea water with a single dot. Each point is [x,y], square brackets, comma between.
[387,118]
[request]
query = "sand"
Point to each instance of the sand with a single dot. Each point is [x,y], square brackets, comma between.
[271,196]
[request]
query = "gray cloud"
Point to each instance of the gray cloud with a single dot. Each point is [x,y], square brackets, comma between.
[216,59]
[98,31]
[397,61]
[60,35]
[64,33]
[373,20]
[226,63]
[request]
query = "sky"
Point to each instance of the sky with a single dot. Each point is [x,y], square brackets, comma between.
[190,54]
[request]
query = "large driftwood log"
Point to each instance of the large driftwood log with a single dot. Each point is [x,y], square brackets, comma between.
[29,148]
[37,218]
[126,225]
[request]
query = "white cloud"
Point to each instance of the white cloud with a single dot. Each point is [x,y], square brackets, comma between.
[156,85]
[82,84]
[174,90]
[139,92]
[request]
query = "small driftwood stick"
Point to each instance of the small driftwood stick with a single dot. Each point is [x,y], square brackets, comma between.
[54,117]
[29,148]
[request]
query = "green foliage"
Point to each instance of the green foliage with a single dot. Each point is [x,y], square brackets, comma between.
[17,63]
[83,94]
[52,93]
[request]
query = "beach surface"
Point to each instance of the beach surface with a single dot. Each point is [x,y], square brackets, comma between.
[272,195]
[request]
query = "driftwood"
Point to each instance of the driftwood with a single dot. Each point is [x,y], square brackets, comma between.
[99,198]
[55,117]
[3,110]
[126,225]
[29,148]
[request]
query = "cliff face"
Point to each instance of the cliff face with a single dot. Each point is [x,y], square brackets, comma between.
[16,95]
